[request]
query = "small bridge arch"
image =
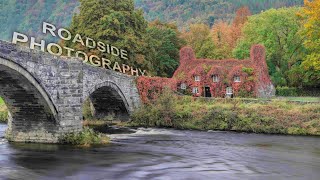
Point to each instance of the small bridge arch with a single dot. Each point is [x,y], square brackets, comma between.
[107,99]
[29,105]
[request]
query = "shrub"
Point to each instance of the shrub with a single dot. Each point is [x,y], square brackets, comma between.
[86,110]
[3,116]
[245,94]
[314,92]
[292,91]
[219,119]
[161,113]
[249,71]
[297,130]
[286,91]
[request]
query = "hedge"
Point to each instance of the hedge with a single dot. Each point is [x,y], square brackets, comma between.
[292,91]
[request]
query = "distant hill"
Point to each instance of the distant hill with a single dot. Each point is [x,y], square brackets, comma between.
[27,16]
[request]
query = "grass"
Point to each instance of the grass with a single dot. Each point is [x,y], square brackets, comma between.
[94,123]
[86,138]
[275,116]
[301,99]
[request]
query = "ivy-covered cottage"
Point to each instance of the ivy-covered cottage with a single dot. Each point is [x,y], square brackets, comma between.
[214,78]
[224,78]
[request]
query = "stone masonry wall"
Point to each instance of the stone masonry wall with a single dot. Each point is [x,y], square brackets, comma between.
[58,87]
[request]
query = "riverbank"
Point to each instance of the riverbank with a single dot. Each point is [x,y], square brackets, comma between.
[271,117]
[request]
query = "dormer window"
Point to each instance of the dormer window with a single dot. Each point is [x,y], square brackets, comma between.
[183,86]
[237,79]
[197,78]
[215,78]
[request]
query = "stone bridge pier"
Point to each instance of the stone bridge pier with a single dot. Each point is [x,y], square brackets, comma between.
[45,94]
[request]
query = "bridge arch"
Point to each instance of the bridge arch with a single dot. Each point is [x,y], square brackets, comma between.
[29,105]
[107,98]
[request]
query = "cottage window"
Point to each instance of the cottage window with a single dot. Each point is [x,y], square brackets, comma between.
[183,86]
[195,90]
[237,79]
[229,91]
[215,78]
[197,78]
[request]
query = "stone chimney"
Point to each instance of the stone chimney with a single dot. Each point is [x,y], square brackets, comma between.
[264,87]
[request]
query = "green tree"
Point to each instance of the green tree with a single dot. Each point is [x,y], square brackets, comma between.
[311,63]
[279,30]
[114,22]
[164,45]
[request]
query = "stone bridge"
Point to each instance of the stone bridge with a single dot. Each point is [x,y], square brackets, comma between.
[45,93]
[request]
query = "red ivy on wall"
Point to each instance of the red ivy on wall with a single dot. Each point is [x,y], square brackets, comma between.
[151,87]
[253,74]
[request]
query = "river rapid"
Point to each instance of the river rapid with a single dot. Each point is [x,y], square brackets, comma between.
[167,154]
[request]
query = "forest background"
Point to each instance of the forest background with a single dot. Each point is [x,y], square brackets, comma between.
[154,31]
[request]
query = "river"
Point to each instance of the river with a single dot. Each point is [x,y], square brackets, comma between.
[167,154]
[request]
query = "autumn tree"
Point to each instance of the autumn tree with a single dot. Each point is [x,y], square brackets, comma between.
[221,36]
[115,22]
[218,42]
[311,63]
[198,37]
[240,19]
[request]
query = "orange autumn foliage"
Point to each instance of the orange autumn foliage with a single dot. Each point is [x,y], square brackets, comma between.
[238,23]
[225,36]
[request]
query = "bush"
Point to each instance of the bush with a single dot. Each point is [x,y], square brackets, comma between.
[86,137]
[249,71]
[245,94]
[313,92]
[161,113]
[292,91]
[286,91]
[219,119]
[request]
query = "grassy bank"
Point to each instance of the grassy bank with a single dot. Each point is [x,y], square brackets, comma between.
[275,117]
[300,99]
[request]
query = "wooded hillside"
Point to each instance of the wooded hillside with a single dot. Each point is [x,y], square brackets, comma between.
[184,12]
[27,16]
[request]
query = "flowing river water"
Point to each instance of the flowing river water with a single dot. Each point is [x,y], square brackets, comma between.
[167,154]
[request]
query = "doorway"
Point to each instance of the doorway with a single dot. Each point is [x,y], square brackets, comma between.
[207,92]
